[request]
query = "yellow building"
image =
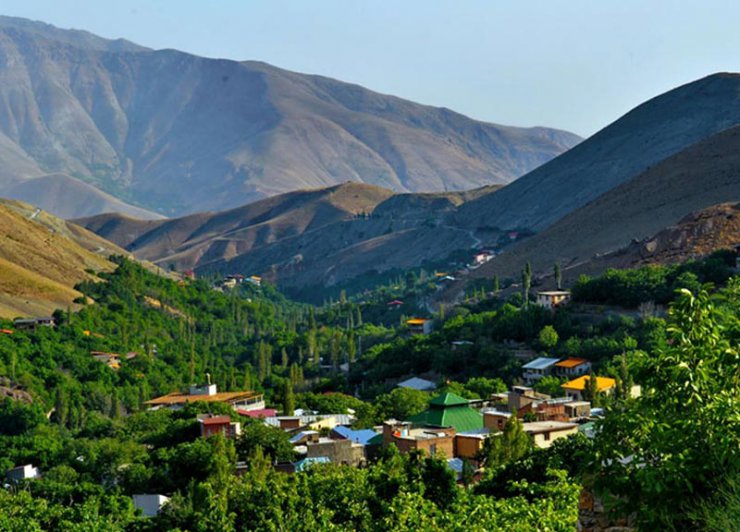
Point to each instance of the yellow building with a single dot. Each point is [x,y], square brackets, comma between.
[574,389]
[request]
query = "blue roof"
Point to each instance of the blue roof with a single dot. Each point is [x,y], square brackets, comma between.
[415,383]
[302,465]
[541,363]
[357,436]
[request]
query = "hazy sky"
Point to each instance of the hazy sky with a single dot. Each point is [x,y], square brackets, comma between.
[576,65]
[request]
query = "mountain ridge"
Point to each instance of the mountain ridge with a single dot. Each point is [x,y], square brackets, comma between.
[176,133]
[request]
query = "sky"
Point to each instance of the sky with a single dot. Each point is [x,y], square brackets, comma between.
[576,65]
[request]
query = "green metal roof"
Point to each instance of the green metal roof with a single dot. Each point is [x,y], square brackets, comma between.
[450,410]
[448,399]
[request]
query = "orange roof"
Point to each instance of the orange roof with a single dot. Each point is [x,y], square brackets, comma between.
[602,383]
[177,398]
[416,321]
[571,362]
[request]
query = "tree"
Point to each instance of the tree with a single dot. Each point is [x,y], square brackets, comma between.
[288,398]
[526,284]
[682,434]
[591,389]
[402,403]
[496,285]
[550,385]
[548,337]
[558,276]
[508,446]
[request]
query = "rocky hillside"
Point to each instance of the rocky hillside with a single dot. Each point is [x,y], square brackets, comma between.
[175,133]
[41,259]
[704,174]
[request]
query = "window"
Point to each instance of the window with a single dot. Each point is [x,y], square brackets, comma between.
[546,436]
[433,449]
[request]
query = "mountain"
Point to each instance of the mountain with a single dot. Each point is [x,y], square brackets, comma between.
[41,259]
[175,133]
[650,133]
[700,176]
[69,197]
[311,237]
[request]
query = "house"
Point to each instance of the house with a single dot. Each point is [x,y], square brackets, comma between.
[254,280]
[495,420]
[538,368]
[415,383]
[31,324]
[578,409]
[189,274]
[305,463]
[24,472]
[460,344]
[149,504]
[344,452]
[553,299]
[246,400]
[358,436]
[408,438]
[572,367]
[450,410]
[482,257]
[574,389]
[304,437]
[545,432]
[112,360]
[310,421]
[419,325]
[257,414]
[211,425]
[469,444]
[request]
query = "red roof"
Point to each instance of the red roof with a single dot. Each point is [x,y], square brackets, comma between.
[395,302]
[215,420]
[263,412]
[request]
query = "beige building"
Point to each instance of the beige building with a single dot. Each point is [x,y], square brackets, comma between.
[545,432]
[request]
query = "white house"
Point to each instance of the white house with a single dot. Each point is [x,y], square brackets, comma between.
[553,298]
[149,504]
[24,472]
[538,368]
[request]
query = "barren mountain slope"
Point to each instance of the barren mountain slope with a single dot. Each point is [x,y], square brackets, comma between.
[702,175]
[642,138]
[175,133]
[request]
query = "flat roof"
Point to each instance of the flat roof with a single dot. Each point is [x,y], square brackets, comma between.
[539,427]
[416,321]
[554,293]
[540,363]
[176,398]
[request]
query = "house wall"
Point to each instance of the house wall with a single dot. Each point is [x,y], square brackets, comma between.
[494,421]
[544,440]
[467,446]
[338,451]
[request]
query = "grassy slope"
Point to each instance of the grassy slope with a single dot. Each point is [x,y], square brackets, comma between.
[41,259]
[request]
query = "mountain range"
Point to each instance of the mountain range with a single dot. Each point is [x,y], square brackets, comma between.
[172,133]
[614,194]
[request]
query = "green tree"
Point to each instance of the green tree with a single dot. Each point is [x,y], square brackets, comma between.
[288,398]
[548,337]
[550,385]
[526,284]
[508,446]
[682,435]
